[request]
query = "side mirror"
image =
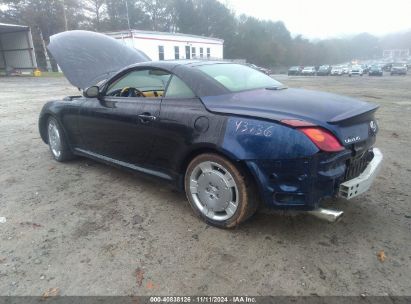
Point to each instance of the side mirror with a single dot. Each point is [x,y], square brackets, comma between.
[92,92]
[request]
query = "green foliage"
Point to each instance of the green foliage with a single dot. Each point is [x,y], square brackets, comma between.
[265,43]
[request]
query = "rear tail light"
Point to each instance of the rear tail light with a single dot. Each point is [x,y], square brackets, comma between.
[322,138]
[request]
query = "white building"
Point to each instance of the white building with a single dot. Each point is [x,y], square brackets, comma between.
[170,46]
[396,54]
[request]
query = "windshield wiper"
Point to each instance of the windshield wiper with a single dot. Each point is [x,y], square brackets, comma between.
[276,88]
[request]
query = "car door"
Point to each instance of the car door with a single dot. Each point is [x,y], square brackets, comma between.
[120,125]
[180,110]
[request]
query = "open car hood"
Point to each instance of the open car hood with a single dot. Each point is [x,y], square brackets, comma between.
[89,57]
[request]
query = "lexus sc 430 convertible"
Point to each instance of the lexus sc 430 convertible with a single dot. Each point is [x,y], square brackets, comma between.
[226,134]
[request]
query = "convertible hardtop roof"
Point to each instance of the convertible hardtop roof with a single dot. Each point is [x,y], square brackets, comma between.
[199,82]
[171,64]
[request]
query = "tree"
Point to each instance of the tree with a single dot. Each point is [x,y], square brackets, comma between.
[121,13]
[266,43]
[159,13]
[96,8]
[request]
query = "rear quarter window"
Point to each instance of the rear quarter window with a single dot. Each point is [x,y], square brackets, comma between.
[237,77]
[178,89]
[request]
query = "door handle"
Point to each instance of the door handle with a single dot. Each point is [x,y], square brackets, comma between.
[146,117]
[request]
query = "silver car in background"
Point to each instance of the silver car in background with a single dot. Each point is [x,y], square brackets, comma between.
[337,70]
[356,70]
[309,70]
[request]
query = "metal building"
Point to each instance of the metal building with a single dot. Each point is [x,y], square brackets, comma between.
[17,54]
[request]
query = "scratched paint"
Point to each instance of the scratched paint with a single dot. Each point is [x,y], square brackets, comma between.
[258,129]
[259,139]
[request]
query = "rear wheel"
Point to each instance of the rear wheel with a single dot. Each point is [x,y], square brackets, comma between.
[57,142]
[219,192]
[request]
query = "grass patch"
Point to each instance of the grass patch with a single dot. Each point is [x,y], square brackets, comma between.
[52,74]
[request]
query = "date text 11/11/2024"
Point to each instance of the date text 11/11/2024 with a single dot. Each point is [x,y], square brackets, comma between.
[204,299]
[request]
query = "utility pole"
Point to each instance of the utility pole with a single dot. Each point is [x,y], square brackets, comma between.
[46,54]
[64,16]
[128,17]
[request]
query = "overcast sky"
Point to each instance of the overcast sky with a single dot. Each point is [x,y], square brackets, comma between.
[330,18]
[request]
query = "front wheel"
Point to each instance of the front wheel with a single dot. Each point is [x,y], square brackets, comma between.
[57,142]
[219,192]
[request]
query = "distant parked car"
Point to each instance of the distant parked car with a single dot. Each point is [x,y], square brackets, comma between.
[345,69]
[337,70]
[375,70]
[309,71]
[399,69]
[294,70]
[265,71]
[365,68]
[387,67]
[261,69]
[324,70]
[356,70]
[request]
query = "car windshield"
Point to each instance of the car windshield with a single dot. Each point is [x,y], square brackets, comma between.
[237,77]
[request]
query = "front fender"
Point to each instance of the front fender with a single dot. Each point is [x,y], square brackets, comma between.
[46,111]
[65,111]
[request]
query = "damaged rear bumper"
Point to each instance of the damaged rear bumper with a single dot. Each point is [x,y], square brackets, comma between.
[362,183]
[301,184]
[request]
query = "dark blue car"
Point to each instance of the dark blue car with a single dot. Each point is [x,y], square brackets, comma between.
[229,136]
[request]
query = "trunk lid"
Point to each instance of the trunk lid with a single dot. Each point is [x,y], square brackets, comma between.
[348,118]
[89,57]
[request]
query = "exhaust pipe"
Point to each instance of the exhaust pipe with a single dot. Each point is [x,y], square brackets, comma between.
[328,215]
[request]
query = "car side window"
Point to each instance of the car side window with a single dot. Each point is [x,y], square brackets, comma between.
[140,83]
[178,89]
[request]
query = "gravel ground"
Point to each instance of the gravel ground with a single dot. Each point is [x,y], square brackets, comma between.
[90,229]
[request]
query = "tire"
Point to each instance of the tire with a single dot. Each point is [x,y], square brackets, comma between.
[219,192]
[57,141]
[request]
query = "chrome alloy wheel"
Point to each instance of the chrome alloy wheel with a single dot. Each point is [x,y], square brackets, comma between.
[54,138]
[214,191]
